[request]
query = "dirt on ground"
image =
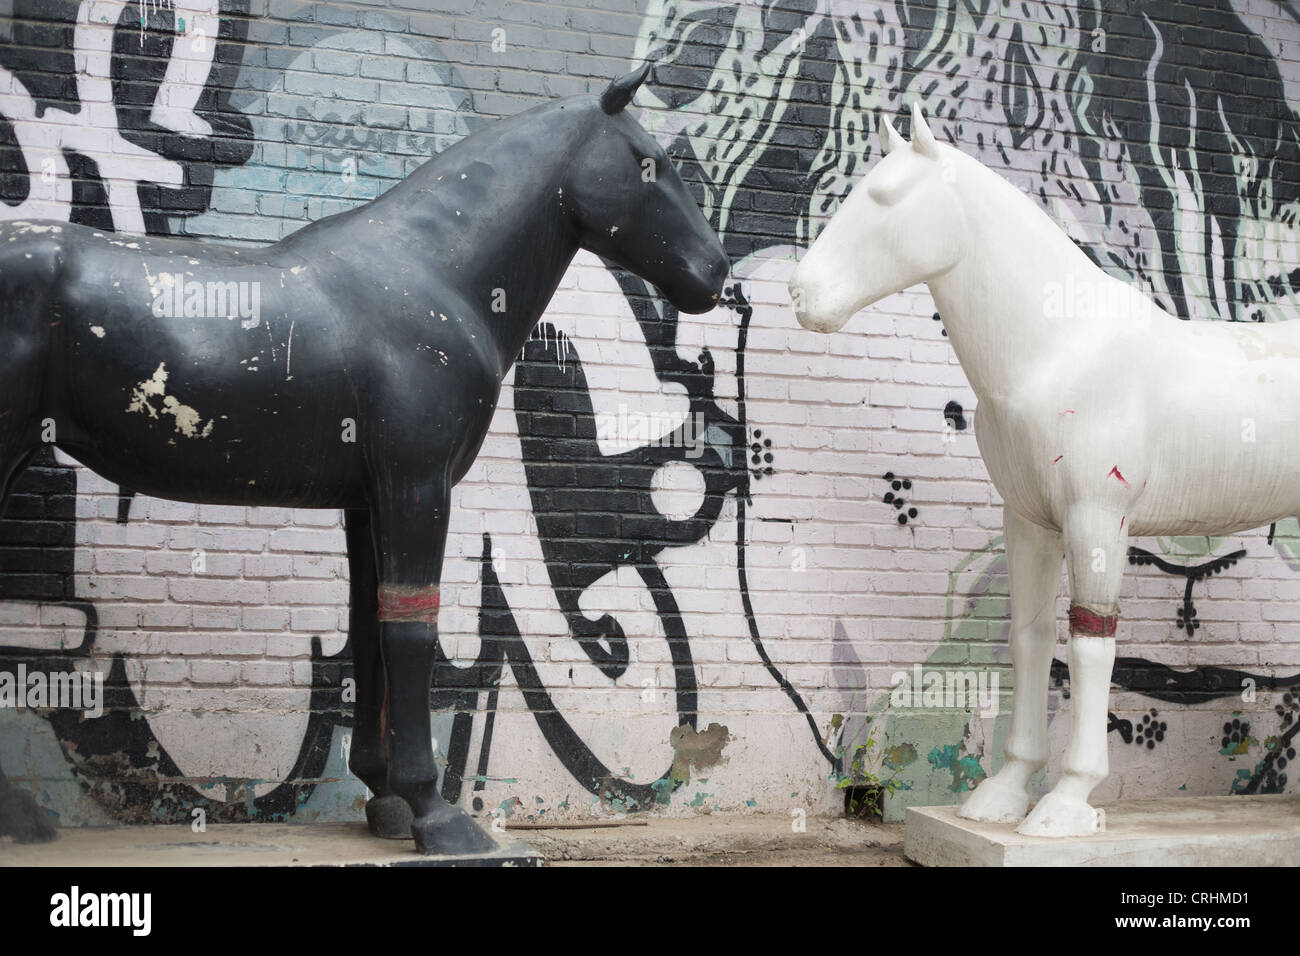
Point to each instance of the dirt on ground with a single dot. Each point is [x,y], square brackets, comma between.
[715,840]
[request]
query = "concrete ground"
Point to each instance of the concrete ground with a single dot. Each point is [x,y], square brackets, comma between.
[717,840]
[712,840]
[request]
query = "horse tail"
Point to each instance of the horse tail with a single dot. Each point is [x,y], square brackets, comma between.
[32,262]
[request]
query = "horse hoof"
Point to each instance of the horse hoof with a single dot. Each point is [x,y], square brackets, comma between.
[450,830]
[995,802]
[22,818]
[1060,816]
[389,817]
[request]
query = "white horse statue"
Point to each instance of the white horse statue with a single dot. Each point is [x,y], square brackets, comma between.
[1100,417]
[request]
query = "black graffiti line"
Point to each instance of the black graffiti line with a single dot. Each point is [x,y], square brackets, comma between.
[1161,682]
[679,648]
[1193,574]
[1198,571]
[502,644]
[564,741]
[485,745]
[742,306]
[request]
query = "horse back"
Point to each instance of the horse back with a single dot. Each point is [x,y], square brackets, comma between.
[232,375]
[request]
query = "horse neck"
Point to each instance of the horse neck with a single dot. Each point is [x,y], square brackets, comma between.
[487,214]
[992,301]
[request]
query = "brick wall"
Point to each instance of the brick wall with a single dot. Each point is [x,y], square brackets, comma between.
[836,527]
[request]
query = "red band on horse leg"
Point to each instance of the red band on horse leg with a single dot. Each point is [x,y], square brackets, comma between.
[1086,623]
[408,604]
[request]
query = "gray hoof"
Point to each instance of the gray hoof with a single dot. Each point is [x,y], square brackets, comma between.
[450,830]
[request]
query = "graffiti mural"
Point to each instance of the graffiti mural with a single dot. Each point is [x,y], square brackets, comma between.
[694,552]
[136,135]
[1116,121]
[596,486]
[119,759]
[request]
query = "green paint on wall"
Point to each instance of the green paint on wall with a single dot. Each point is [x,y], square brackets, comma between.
[965,769]
[898,757]
[976,622]
[1239,748]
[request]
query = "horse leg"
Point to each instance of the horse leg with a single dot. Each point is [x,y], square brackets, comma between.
[410,535]
[1095,549]
[387,814]
[1034,569]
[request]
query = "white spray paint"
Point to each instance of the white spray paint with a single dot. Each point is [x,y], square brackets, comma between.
[93,132]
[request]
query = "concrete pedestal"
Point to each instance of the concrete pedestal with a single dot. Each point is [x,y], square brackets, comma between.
[248,844]
[1177,831]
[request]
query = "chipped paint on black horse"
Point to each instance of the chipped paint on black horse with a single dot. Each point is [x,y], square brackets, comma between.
[365,379]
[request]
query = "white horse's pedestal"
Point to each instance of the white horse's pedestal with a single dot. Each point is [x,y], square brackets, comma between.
[1100,417]
[1174,831]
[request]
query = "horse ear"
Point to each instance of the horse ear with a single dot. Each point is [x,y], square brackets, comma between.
[922,139]
[889,138]
[620,92]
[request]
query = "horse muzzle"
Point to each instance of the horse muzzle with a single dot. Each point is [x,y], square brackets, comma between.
[700,292]
[810,309]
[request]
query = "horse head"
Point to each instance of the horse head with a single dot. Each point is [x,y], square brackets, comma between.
[902,224]
[630,206]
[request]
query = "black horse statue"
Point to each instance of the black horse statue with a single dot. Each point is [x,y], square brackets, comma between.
[355,364]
